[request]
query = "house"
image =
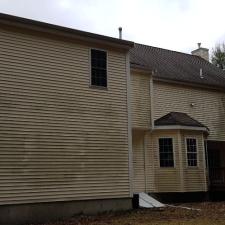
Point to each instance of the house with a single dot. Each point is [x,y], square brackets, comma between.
[178,122]
[87,121]
[64,133]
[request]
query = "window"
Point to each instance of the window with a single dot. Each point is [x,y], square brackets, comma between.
[166,152]
[191,151]
[98,68]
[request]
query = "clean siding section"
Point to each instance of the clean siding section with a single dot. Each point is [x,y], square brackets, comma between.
[140,101]
[59,139]
[209,106]
[194,177]
[166,179]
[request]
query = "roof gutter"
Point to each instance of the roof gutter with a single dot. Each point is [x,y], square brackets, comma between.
[23,23]
[181,127]
[190,84]
[145,70]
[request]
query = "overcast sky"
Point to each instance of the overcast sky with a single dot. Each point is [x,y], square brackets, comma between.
[172,24]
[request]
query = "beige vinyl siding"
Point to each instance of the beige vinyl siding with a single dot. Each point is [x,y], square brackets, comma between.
[150,177]
[181,178]
[166,179]
[59,138]
[138,162]
[209,106]
[140,100]
[194,177]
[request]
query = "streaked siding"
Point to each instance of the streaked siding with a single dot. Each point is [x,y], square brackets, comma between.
[209,106]
[59,139]
[138,162]
[140,100]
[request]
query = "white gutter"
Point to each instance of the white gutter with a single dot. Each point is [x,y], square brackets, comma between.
[179,127]
[129,126]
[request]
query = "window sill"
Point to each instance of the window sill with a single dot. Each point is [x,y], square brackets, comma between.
[192,167]
[167,168]
[98,87]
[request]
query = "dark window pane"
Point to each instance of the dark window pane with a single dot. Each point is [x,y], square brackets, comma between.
[98,68]
[166,152]
[191,151]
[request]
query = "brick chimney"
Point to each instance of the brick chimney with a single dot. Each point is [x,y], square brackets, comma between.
[201,52]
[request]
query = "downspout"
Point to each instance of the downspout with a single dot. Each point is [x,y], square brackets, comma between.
[145,165]
[151,90]
[152,126]
[129,126]
[206,160]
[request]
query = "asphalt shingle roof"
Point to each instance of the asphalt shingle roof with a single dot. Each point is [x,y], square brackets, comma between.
[178,118]
[177,66]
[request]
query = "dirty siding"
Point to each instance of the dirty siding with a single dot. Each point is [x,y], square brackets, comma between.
[60,139]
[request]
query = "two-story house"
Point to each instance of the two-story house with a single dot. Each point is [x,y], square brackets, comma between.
[64,126]
[87,121]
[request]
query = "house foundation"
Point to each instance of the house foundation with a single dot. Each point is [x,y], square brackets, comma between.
[55,211]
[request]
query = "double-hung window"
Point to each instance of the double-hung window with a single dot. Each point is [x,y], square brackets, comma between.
[98,68]
[166,152]
[192,158]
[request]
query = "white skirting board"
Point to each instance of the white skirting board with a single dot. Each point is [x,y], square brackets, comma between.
[146,201]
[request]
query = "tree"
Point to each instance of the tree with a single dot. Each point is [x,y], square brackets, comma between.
[218,56]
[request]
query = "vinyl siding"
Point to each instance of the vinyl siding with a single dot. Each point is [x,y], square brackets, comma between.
[150,177]
[59,138]
[166,179]
[140,100]
[209,106]
[194,177]
[138,162]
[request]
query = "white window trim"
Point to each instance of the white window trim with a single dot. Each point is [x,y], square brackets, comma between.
[107,69]
[174,156]
[186,152]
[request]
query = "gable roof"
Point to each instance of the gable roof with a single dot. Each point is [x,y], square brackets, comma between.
[178,118]
[176,66]
[43,27]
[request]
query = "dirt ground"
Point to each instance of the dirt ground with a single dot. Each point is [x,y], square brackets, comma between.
[209,214]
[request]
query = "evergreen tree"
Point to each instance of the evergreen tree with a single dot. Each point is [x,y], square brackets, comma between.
[218,56]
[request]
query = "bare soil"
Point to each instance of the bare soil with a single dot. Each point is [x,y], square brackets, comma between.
[210,213]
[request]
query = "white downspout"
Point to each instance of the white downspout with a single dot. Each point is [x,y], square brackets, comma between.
[129,124]
[151,94]
[151,90]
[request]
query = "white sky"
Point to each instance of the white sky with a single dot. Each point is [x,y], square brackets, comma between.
[171,24]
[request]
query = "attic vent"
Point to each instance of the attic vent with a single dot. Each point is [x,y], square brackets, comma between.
[201,74]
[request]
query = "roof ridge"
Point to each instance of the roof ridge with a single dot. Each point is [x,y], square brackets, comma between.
[174,51]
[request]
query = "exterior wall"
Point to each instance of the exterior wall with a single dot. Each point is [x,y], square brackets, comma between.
[167,179]
[151,178]
[140,100]
[138,162]
[60,139]
[195,178]
[209,106]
